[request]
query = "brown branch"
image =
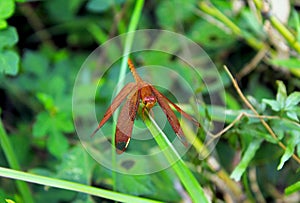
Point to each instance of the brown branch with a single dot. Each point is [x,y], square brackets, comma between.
[264,123]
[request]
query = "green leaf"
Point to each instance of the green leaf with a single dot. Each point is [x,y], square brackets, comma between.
[255,131]
[247,157]
[3,24]
[290,63]
[42,125]
[99,5]
[292,188]
[135,185]
[46,100]
[63,10]
[281,94]
[168,15]
[9,62]
[210,35]
[8,37]
[64,123]
[273,104]
[292,100]
[291,143]
[80,163]
[57,143]
[292,115]
[7,8]
[35,62]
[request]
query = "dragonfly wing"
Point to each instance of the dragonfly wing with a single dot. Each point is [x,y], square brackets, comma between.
[127,89]
[186,115]
[163,102]
[125,122]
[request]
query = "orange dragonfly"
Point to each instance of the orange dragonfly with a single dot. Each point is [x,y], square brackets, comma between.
[136,92]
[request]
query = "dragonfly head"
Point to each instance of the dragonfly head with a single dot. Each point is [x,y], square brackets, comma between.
[149,102]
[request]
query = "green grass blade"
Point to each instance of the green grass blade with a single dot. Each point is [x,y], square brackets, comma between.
[62,184]
[128,44]
[13,163]
[185,175]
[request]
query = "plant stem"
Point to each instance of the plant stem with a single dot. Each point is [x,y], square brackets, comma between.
[13,163]
[63,184]
[290,38]
[213,11]
[128,43]
[185,175]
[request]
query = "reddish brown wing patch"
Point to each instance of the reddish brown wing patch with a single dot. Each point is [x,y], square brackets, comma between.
[125,122]
[127,89]
[186,115]
[163,102]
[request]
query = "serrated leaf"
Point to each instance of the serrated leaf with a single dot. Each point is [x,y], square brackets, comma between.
[291,143]
[247,157]
[9,62]
[8,37]
[57,143]
[7,8]
[273,104]
[281,94]
[292,100]
[42,124]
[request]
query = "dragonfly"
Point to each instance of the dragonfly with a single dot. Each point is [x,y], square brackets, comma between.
[136,93]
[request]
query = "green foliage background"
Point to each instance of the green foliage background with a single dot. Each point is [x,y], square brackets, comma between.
[43,45]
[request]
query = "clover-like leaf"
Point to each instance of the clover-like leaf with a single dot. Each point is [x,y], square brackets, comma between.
[9,62]
[8,37]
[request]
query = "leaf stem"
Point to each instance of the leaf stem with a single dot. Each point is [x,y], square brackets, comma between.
[213,11]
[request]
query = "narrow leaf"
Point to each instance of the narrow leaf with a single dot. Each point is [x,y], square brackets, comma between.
[247,157]
[281,94]
[292,142]
[292,188]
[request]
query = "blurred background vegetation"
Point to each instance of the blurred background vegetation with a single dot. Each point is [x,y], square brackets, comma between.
[44,43]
